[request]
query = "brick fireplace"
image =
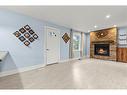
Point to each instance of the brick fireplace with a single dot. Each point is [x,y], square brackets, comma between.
[103,44]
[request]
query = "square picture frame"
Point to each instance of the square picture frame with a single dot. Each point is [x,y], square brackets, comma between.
[66,37]
[31,32]
[22,39]
[27,27]
[17,34]
[27,35]
[31,39]
[35,36]
[27,43]
[22,30]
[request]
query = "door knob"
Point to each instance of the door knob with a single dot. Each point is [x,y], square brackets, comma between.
[47,49]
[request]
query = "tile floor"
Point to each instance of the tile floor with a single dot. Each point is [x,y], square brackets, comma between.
[81,74]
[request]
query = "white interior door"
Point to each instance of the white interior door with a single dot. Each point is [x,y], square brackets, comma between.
[52,45]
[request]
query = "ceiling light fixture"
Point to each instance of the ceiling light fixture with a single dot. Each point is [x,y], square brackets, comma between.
[95,26]
[108,16]
[88,30]
[114,25]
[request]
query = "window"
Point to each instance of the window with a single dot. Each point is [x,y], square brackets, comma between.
[76,42]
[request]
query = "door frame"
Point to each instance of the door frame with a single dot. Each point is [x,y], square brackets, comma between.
[45,43]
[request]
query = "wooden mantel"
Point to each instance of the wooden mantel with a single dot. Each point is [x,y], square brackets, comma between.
[108,41]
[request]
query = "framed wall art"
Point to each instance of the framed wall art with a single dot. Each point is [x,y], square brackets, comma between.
[31,32]
[35,36]
[31,39]
[26,35]
[27,27]
[27,43]
[22,38]
[17,34]
[22,30]
[66,38]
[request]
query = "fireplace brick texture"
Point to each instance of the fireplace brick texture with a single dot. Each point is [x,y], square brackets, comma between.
[110,38]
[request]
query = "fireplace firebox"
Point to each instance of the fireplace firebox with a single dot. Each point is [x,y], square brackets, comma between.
[101,49]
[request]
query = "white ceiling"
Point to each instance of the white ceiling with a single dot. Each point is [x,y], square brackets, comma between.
[82,18]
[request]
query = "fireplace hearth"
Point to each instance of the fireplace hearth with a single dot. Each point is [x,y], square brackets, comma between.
[101,49]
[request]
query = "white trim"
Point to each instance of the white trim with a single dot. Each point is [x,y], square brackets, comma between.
[72,59]
[45,37]
[11,72]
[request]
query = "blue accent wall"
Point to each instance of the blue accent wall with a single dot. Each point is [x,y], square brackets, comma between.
[19,55]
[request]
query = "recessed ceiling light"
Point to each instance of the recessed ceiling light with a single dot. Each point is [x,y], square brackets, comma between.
[114,25]
[95,26]
[88,30]
[108,16]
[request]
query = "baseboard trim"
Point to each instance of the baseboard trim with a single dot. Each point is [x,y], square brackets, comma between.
[11,72]
[72,59]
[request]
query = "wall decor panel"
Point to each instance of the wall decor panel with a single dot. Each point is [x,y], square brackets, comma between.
[66,38]
[26,33]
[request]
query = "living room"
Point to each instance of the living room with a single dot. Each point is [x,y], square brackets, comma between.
[39,48]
